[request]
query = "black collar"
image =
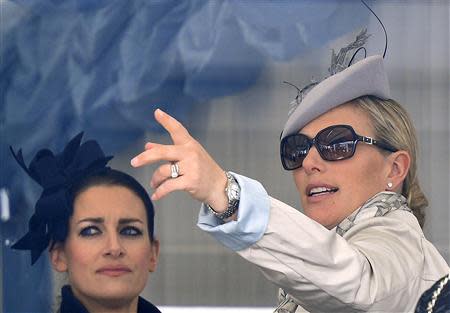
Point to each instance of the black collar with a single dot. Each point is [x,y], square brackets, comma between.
[70,304]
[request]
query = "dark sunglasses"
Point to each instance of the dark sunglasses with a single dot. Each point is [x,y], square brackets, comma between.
[337,142]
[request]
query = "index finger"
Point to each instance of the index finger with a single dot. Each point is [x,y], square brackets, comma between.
[157,153]
[176,130]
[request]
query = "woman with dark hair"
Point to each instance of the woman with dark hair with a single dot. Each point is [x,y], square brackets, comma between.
[98,225]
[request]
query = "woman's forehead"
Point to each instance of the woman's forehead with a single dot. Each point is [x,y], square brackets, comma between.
[108,201]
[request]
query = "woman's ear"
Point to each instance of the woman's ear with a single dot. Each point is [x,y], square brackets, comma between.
[399,162]
[58,257]
[154,256]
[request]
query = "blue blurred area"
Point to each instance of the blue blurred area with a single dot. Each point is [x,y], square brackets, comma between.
[103,67]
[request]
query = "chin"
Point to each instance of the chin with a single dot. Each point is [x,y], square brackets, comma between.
[118,295]
[321,216]
[117,290]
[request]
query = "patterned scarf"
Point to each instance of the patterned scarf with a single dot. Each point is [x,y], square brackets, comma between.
[379,205]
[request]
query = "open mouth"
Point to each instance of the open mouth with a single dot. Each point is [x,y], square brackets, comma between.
[316,191]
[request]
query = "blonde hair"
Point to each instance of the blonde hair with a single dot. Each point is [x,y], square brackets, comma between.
[392,124]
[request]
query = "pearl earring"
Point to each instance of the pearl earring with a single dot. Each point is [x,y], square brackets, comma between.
[389,185]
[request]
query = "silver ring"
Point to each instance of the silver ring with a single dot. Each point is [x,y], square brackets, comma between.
[174,170]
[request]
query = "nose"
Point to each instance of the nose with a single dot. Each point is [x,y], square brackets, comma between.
[313,162]
[114,246]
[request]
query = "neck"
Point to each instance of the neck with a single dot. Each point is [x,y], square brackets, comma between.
[108,305]
[130,307]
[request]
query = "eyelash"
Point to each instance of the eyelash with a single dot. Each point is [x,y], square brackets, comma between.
[88,231]
[131,231]
[127,231]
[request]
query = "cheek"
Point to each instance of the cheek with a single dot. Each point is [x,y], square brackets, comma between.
[80,255]
[299,180]
[365,181]
[143,259]
[141,255]
[374,174]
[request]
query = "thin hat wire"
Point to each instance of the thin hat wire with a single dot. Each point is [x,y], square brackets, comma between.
[384,29]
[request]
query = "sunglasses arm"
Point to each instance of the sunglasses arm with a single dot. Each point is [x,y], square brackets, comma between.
[371,141]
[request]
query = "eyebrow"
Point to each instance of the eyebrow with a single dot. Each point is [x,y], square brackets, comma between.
[100,220]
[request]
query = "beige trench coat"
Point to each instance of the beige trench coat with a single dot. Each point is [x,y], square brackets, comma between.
[381,264]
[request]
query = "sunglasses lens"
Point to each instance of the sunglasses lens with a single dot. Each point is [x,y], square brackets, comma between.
[294,150]
[336,143]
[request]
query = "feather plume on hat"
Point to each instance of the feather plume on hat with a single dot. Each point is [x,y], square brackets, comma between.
[346,82]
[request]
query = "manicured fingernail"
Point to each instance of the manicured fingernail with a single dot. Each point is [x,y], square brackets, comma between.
[134,162]
[161,111]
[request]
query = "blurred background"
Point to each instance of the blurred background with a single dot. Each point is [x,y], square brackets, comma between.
[103,67]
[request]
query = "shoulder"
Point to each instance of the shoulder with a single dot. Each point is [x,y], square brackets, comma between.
[394,223]
[397,242]
[396,236]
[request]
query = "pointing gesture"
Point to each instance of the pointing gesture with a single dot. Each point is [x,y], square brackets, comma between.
[189,167]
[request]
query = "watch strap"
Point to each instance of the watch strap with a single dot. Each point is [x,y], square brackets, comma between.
[233,204]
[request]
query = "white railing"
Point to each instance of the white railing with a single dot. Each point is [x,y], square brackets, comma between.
[192,309]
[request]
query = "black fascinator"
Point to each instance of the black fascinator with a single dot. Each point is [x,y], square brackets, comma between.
[56,174]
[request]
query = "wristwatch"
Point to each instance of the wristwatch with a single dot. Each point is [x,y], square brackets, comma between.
[233,192]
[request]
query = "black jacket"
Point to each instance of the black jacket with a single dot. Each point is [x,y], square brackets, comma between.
[70,304]
[442,304]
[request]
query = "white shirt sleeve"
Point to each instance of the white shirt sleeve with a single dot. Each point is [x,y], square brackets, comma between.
[252,217]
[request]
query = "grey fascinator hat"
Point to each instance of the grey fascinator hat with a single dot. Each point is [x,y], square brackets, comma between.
[366,77]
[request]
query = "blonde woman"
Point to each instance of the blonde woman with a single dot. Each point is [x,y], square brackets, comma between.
[358,246]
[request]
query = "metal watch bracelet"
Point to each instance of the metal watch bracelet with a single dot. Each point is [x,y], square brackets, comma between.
[232,191]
